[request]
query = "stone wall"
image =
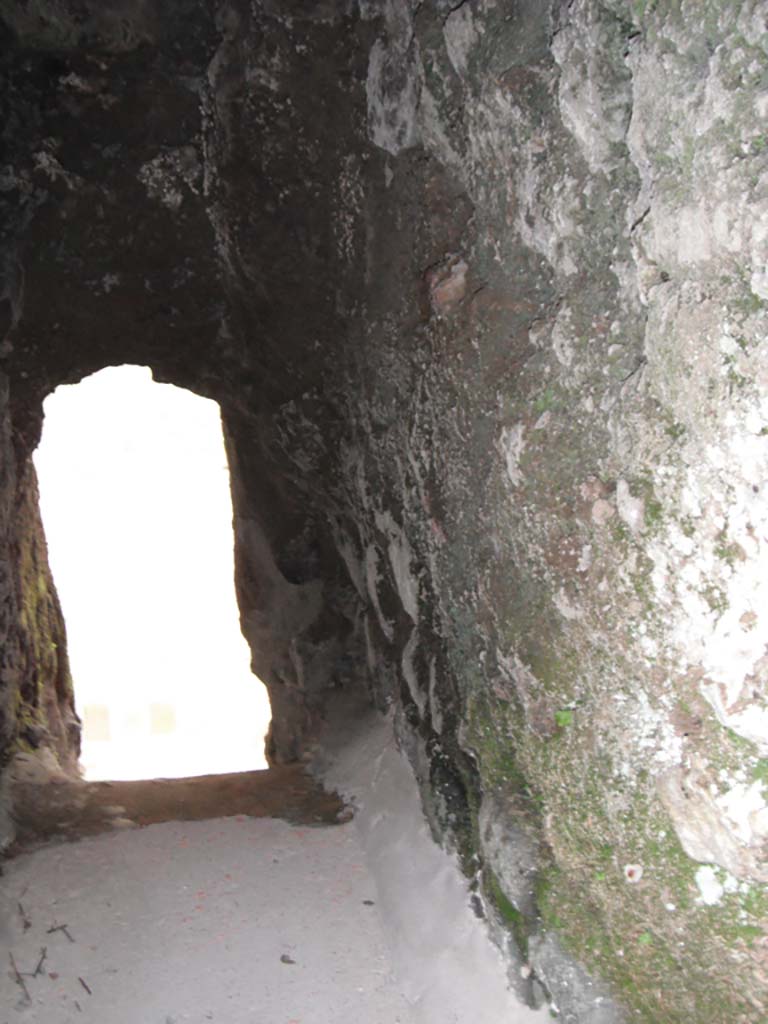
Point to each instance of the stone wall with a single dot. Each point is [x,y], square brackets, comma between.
[481,289]
[565,466]
[37,713]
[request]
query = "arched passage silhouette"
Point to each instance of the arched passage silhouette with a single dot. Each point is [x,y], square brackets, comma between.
[137,510]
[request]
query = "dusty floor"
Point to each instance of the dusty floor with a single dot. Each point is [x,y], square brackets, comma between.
[245,919]
[231,920]
[70,810]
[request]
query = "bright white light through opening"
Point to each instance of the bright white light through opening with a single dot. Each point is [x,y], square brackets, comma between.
[135,499]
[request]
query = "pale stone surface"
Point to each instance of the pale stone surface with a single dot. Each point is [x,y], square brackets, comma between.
[230,920]
[729,830]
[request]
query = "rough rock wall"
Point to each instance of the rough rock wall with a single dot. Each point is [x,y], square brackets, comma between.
[481,291]
[82,280]
[274,150]
[556,483]
[139,225]
[36,696]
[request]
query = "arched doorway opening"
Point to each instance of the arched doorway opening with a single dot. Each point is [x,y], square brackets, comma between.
[136,505]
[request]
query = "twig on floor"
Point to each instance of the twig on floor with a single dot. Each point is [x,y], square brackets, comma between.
[23,915]
[19,980]
[41,961]
[60,928]
[78,1007]
[85,986]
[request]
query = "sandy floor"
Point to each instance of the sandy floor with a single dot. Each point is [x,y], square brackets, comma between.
[268,915]
[232,920]
[67,810]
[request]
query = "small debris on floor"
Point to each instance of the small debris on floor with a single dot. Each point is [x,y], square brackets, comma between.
[19,979]
[40,962]
[186,921]
[27,924]
[60,928]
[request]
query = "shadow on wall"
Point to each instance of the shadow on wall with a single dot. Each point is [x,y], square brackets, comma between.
[136,505]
